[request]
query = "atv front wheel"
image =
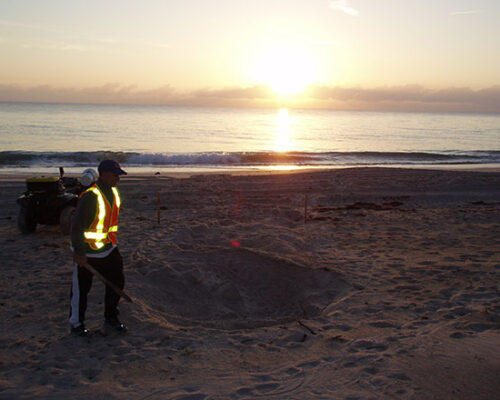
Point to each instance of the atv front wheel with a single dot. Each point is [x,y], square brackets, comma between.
[66,219]
[25,221]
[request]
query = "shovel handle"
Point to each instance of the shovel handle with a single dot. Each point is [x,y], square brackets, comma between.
[115,288]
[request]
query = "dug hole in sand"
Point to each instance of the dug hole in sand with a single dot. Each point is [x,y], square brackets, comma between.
[238,288]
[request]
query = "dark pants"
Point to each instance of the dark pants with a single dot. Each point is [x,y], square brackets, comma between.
[111,267]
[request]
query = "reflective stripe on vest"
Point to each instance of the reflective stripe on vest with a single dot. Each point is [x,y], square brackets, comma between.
[105,225]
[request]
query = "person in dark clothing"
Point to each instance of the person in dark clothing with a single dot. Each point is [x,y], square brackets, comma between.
[93,241]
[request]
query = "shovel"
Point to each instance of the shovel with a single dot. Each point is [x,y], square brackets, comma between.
[115,288]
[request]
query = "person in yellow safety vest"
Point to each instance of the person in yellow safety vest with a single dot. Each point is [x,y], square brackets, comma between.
[94,241]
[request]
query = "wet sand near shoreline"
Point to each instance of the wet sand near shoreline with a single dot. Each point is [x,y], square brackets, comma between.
[369,283]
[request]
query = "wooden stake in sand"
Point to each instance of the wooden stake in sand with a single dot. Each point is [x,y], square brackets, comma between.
[158,207]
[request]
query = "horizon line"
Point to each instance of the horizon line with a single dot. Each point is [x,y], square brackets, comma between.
[255,107]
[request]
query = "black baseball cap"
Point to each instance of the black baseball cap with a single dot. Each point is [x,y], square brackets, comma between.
[111,166]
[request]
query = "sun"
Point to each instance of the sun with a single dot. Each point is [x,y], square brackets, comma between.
[287,69]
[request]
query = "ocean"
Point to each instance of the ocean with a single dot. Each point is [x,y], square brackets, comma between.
[42,137]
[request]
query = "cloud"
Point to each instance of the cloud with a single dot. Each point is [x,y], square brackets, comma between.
[114,93]
[108,41]
[55,46]
[344,6]
[30,26]
[467,12]
[409,98]
[389,98]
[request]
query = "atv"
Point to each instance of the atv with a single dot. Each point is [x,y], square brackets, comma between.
[48,201]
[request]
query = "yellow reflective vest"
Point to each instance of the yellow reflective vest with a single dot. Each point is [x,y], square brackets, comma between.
[104,227]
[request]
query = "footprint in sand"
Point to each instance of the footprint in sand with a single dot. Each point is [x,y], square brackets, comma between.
[277,385]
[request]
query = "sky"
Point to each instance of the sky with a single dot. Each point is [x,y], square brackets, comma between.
[427,55]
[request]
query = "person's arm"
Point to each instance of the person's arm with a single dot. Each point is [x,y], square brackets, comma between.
[84,215]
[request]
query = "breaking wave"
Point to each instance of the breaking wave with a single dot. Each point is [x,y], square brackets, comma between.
[29,159]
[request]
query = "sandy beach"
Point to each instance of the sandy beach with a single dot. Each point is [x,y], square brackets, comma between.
[363,283]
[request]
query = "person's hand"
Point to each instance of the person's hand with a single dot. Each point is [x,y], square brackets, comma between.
[80,260]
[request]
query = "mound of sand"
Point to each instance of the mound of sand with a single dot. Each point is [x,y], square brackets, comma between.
[239,288]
